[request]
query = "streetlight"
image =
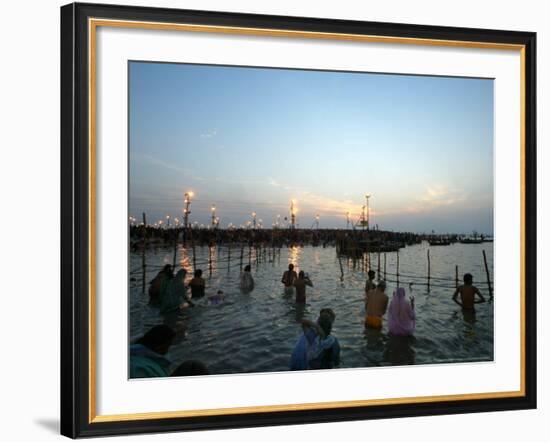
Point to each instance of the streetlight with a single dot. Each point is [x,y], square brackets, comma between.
[347,220]
[293,211]
[213,209]
[186,211]
[367,196]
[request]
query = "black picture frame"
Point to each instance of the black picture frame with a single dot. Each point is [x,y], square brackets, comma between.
[75,220]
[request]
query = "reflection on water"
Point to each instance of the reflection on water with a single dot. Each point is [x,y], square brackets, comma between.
[256,332]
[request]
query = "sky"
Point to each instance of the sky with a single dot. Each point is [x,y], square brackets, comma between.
[252,139]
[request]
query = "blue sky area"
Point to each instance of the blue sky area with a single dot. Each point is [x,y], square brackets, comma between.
[252,139]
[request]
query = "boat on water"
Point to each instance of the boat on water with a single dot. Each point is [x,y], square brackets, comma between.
[439,242]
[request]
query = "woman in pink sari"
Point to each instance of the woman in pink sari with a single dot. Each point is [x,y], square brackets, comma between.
[401,316]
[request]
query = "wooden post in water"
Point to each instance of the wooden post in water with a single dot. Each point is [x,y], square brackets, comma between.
[228,256]
[456,276]
[175,249]
[210,260]
[241,260]
[194,257]
[341,268]
[384,265]
[143,263]
[429,269]
[249,254]
[378,263]
[488,276]
[397,268]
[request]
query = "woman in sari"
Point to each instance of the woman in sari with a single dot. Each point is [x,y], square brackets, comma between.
[401,315]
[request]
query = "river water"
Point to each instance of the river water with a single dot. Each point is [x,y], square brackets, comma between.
[256,332]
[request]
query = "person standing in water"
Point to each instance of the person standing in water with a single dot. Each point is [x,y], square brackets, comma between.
[370,284]
[376,304]
[197,285]
[401,315]
[246,283]
[468,293]
[288,279]
[300,285]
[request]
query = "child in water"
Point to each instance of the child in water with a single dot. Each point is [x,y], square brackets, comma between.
[317,348]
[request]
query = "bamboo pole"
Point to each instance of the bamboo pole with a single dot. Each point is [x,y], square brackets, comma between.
[143,262]
[384,265]
[228,256]
[398,268]
[456,276]
[194,257]
[341,268]
[210,260]
[378,264]
[488,276]
[241,260]
[429,269]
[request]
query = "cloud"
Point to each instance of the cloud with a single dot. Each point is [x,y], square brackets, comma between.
[211,133]
[139,156]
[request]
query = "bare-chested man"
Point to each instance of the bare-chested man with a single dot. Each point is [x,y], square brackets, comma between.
[288,279]
[468,293]
[376,304]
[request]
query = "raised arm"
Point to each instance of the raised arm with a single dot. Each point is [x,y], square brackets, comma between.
[306,323]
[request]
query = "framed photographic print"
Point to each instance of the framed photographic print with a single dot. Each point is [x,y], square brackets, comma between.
[273,220]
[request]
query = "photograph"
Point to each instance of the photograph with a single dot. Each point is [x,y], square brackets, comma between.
[284,220]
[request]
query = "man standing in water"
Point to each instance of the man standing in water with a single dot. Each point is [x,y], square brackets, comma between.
[300,285]
[376,304]
[468,293]
[288,279]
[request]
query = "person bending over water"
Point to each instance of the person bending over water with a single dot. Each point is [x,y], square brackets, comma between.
[197,285]
[300,285]
[246,283]
[159,284]
[175,295]
[370,284]
[317,348]
[147,358]
[376,304]
[401,315]
[468,293]
[288,279]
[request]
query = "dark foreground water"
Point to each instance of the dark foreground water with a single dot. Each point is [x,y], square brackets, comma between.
[256,332]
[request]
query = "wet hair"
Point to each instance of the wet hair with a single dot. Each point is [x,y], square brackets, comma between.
[167,268]
[381,285]
[372,274]
[198,273]
[158,338]
[468,278]
[291,267]
[191,368]
[325,323]
[220,292]
[247,268]
[328,312]
[301,275]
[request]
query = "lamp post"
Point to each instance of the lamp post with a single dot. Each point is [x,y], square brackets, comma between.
[347,220]
[213,209]
[293,214]
[367,196]
[186,211]
[254,220]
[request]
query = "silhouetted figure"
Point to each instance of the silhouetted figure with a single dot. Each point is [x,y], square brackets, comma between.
[147,354]
[191,368]
[159,284]
[468,293]
[246,283]
[197,285]
[300,285]
[288,279]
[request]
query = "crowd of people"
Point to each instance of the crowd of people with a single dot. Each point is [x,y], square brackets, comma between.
[316,347]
